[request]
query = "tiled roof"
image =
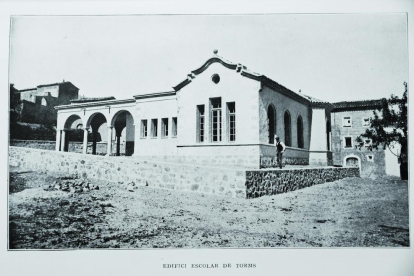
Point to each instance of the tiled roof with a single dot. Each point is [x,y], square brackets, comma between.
[357,104]
[88,100]
[57,83]
[46,85]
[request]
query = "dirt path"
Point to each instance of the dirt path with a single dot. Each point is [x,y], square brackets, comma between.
[350,212]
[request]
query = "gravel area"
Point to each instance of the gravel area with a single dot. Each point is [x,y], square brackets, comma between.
[52,211]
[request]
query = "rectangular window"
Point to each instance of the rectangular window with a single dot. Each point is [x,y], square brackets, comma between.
[154,127]
[231,121]
[200,123]
[215,118]
[144,128]
[348,142]
[174,127]
[366,121]
[347,121]
[367,142]
[164,127]
[370,158]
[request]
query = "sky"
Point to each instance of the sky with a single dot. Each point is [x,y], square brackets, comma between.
[333,57]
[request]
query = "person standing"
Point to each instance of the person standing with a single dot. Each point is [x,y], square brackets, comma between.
[280,149]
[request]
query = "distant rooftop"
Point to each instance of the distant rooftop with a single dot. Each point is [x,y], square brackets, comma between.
[47,85]
[354,105]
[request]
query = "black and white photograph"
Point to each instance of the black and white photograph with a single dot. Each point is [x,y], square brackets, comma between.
[208,131]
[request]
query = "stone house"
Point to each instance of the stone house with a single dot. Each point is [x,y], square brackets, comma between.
[37,105]
[221,113]
[349,148]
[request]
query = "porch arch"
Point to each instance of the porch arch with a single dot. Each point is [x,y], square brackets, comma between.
[124,126]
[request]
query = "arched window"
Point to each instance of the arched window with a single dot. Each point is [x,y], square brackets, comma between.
[300,133]
[288,130]
[271,119]
[44,102]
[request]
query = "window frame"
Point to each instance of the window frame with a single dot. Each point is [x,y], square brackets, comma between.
[352,142]
[231,118]
[154,128]
[144,128]
[369,121]
[219,123]
[201,123]
[300,132]
[174,124]
[343,121]
[164,131]
[369,155]
[287,126]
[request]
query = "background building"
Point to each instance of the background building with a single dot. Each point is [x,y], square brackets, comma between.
[37,105]
[349,121]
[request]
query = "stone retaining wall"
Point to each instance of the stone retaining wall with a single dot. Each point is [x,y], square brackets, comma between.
[272,182]
[234,161]
[101,147]
[201,179]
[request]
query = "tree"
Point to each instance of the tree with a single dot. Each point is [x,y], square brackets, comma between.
[15,104]
[392,127]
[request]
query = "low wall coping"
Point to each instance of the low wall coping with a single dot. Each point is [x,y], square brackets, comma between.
[127,159]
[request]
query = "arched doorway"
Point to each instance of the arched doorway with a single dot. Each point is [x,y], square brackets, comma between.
[271,120]
[124,126]
[352,162]
[288,129]
[72,137]
[98,126]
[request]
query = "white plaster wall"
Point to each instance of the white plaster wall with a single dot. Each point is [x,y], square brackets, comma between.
[53,90]
[128,133]
[318,137]
[392,167]
[232,88]
[156,108]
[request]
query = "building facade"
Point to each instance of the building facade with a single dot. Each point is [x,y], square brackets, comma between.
[37,105]
[222,113]
[350,148]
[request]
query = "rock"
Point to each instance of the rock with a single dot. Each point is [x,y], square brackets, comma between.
[85,189]
[130,188]
[64,202]
[57,187]
[45,187]
[96,187]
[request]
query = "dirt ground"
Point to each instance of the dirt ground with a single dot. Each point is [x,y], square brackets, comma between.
[52,211]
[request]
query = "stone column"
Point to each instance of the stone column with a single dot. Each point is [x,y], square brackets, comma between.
[85,140]
[63,141]
[109,141]
[118,145]
[58,137]
[94,134]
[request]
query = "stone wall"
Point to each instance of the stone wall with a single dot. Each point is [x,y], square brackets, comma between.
[225,160]
[372,168]
[177,176]
[182,177]
[35,144]
[77,147]
[291,156]
[272,182]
